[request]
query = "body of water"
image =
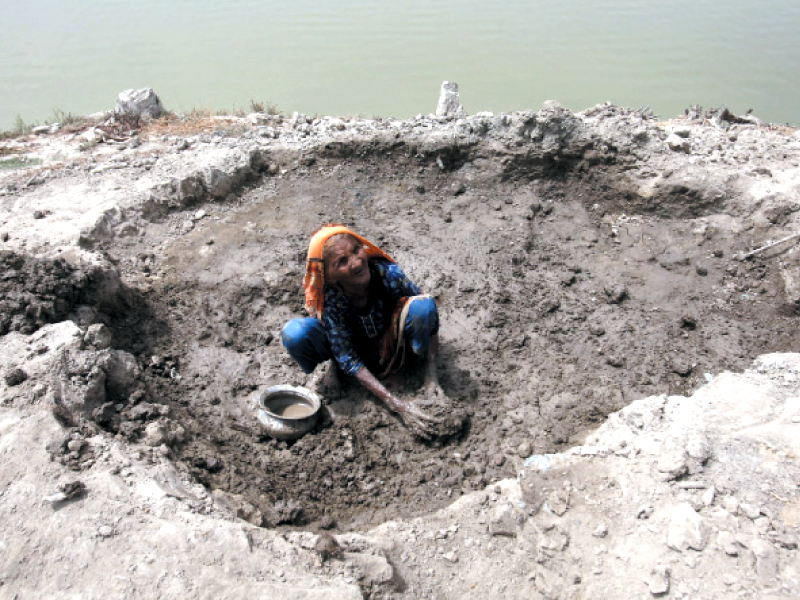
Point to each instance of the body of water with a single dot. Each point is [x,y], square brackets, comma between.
[378,58]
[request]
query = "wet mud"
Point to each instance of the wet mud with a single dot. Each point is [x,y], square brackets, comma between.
[560,302]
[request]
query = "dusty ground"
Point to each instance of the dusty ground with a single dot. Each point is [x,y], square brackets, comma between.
[580,262]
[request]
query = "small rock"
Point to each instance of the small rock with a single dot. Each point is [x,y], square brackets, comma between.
[766,561]
[327,547]
[498,460]
[327,522]
[708,496]
[187,226]
[600,531]
[451,557]
[644,512]
[597,330]
[37,214]
[75,445]
[143,102]
[105,531]
[525,450]
[155,434]
[681,366]
[727,542]
[15,377]
[616,293]
[458,188]
[449,101]
[751,511]
[679,144]
[4,236]
[658,582]
[200,214]
[687,529]
[504,521]
[672,464]
[98,335]
[700,270]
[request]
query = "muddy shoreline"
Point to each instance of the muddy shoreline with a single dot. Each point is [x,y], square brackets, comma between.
[580,262]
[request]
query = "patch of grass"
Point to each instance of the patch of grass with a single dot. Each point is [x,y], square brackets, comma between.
[65,118]
[264,107]
[18,162]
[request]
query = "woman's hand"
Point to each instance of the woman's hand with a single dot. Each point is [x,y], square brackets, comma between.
[417,420]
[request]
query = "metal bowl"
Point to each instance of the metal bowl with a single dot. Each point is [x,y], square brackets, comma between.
[287,412]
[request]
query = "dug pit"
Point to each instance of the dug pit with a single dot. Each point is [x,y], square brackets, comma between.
[563,296]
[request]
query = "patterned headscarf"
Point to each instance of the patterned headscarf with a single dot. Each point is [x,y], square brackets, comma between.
[314,280]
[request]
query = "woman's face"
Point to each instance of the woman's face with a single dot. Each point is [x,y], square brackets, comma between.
[346,264]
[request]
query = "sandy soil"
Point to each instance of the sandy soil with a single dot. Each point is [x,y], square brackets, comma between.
[580,263]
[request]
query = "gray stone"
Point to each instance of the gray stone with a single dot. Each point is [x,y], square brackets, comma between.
[751,511]
[505,521]
[218,183]
[449,101]
[155,434]
[142,102]
[679,144]
[525,450]
[687,529]
[15,377]
[766,561]
[98,335]
[708,496]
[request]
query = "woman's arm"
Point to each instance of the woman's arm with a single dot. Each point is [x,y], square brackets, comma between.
[413,417]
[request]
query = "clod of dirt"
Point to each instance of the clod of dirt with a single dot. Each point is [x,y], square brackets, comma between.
[448,419]
[327,547]
[15,377]
[67,491]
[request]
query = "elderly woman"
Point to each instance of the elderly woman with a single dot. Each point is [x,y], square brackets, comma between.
[366,314]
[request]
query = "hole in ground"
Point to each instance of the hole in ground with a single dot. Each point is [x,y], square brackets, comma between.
[557,309]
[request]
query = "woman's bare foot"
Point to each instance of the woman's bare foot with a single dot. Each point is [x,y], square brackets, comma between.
[329,384]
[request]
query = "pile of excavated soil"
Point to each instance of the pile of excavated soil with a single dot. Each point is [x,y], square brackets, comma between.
[579,262]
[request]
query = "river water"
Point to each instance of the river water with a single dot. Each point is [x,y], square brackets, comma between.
[381,58]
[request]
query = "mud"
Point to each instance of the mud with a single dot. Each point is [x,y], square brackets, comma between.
[563,296]
[557,309]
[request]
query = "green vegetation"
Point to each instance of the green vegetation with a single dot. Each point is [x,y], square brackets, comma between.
[264,107]
[18,162]
[65,118]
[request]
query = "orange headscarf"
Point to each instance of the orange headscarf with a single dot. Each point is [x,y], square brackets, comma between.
[314,280]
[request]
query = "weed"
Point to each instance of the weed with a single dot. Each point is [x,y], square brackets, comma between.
[264,107]
[65,118]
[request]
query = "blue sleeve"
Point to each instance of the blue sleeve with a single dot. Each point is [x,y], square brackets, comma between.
[396,282]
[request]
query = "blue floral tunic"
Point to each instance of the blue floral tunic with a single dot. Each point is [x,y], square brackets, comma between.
[353,334]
